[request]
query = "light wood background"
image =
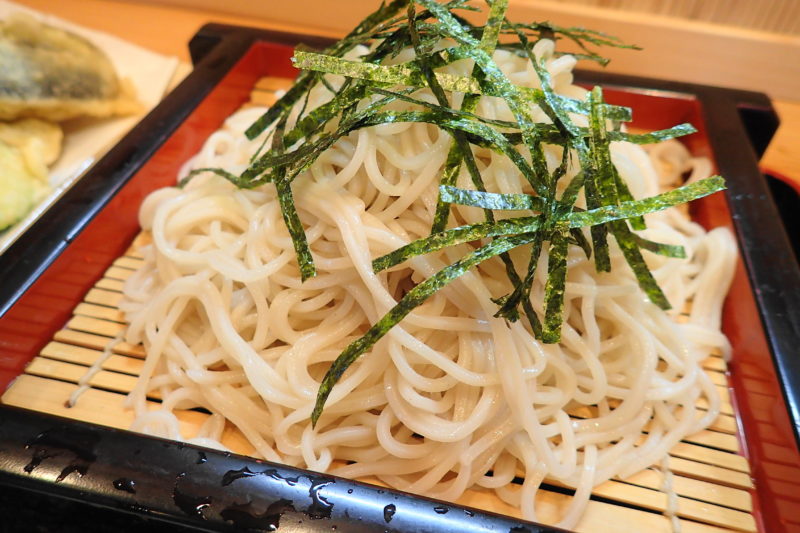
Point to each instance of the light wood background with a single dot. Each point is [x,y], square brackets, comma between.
[777,16]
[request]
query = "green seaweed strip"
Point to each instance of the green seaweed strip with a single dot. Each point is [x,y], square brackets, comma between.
[626,210]
[667,250]
[518,105]
[598,142]
[413,299]
[509,304]
[537,153]
[652,137]
[579,239]
[554,288]
[594,196]
[491,200]
[599,233]
[582,35]
[290,216]
[459,139]
[301,158]
[635,260]
[320,116]
[233,178]
[491,32]
[551,103]
[281,107]
[570,194]
[549,134]
[455,236]
[449,177]
[307,97]
[468,126]
[407,74]
[358,35]
[422,58]
[551,209]
[389,74]
[579,35]
[624,195]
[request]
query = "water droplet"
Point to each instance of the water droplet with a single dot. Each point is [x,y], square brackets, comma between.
[189,503]
[291,481]
[320,507]
[232,475]
[388,512]
[64,441]
[441,510]
[123,483]
[349,491]
[244,516]
[201,458]
[468,512]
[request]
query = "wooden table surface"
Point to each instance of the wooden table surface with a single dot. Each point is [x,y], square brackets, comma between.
[167,30]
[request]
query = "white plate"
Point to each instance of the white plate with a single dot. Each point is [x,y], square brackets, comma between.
[85,139]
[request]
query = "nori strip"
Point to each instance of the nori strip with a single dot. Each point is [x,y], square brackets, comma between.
[413,299]
[492,200]
[456,154]
[635,260]
[635,208]
[460,235]
[667,250]
[408,74]
[554,288]
[289,212]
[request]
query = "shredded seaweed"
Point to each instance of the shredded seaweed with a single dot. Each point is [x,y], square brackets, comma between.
[413,299]
[359,86]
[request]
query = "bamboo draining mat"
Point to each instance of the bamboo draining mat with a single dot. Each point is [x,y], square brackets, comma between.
[710,476]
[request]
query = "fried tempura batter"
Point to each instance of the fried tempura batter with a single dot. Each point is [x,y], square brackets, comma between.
[27,148]
[50,73]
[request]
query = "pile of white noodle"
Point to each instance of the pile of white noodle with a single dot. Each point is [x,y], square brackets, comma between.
[452,398]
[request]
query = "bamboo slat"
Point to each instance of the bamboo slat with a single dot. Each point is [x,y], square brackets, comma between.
[710,477]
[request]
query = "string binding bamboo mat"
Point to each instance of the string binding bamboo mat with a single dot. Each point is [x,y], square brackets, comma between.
[710,475]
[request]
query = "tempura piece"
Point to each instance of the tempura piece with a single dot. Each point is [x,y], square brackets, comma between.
[27,148]
[49,73]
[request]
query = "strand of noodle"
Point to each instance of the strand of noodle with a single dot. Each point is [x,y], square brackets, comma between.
[584,489]
[91,372]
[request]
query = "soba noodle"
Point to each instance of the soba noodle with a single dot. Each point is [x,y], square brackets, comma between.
[452,398]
